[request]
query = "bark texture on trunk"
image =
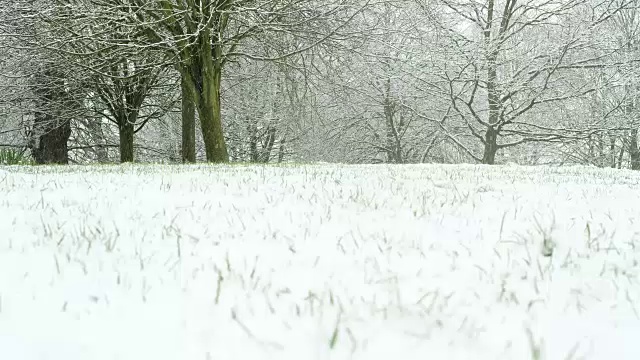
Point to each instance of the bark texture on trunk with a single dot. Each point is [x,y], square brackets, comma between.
[634,152]
[202,70]
[490,146]
[493,92]
[188,125]
[50,144]
[211,116]
[126,131]
[492,133]
[52,124]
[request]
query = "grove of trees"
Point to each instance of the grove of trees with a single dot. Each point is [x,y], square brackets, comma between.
[349,81]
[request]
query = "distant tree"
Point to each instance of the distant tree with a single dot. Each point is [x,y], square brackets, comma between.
[509,62]
[626,25]
[47,91]
[51,129]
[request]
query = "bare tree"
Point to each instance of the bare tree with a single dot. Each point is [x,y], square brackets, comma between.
[47,91]
[510,63]
[202,37]
[626,25]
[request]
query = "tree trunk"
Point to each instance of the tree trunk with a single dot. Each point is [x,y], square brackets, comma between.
[612,150]
[188,125]
[51,128]
[490,146]
[634,152]
[97,137]
[390,141]
[126,131]
[493,97]
[50,146]
[394,143]
[201,68]
[211,120]
[268,144]
[620,157]
[209,104]
[601,145]
[281,150]
[253,141]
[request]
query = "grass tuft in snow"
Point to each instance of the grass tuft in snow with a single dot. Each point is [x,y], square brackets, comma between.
[319,261]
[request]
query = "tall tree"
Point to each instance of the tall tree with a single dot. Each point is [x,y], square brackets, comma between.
[51,127]
[509,58]
[123,91]
[50,89]
[203,36]
[626,25]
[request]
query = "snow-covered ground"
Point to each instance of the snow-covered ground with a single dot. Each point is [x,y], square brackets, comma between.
[319,262]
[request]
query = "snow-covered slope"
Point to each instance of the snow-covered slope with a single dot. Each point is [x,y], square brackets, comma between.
[319,262]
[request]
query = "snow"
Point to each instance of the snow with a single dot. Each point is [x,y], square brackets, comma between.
[319,262]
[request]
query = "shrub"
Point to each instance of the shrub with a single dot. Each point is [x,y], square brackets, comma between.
[13,157]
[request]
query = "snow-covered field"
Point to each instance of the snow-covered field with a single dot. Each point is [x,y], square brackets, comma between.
[319,262]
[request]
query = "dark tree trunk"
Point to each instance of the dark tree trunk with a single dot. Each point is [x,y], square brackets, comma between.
[126,131]
[201,69]
[51,126]
[206,86]
[188,125]
[50,144]
[281,150]
[268,145]
[211,122]
[634,152]
[490,146]
[253,141]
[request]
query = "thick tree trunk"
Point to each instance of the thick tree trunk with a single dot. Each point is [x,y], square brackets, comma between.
[51,130]
[634,152]
[211,119]
[201,69]
[126,131]
[50,146]
[188,125]
[209,104]
[490,146]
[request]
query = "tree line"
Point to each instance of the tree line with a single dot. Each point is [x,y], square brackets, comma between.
[350,81]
